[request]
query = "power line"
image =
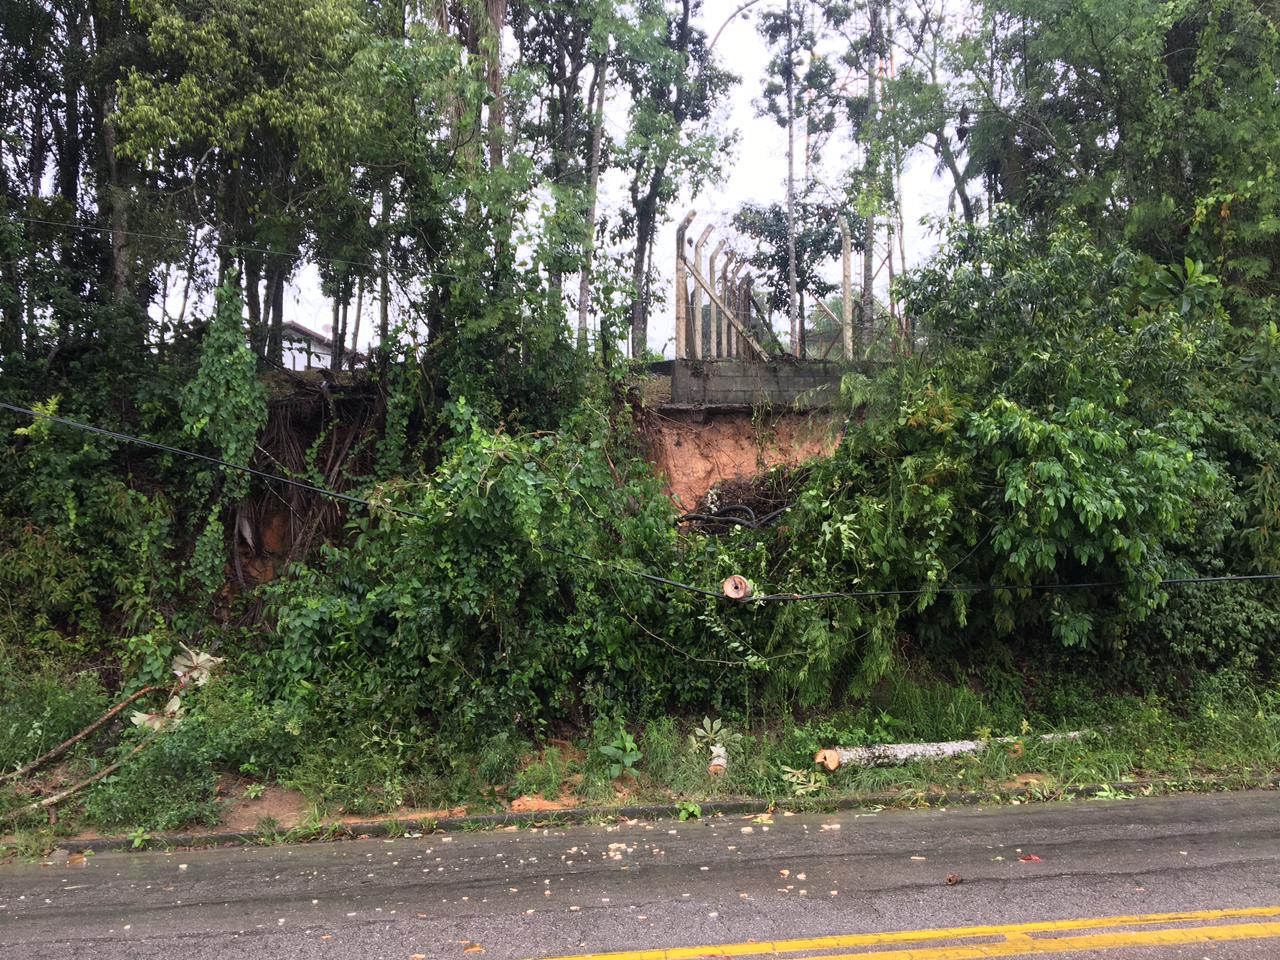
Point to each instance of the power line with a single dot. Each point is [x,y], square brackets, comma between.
[973,588]
[127,438]
[641,574]
[322,491]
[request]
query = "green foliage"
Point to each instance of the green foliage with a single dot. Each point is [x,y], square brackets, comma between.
[1088,396]
[170,784]
[713,733]
[42,708]
[225,404]
[1034,450]
[544,776]
[622,753]
[803,783]
[66,520]
[480,613]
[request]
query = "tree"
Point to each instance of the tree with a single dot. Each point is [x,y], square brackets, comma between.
[259,111]
[664,62]
[1151,123]
[815,242]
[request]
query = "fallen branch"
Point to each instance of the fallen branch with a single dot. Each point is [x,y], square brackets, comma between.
[57,798]
[66,745]
[896,754]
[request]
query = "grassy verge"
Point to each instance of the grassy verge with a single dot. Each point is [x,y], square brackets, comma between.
[231,750]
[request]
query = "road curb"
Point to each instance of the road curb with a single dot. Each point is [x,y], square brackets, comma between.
[582,815]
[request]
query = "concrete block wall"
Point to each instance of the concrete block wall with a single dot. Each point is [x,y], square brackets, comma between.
[785,383]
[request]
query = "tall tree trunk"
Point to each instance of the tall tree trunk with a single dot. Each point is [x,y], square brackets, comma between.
[335,333]
[70,149]
[117,201]
[275,335]
[112,195]
[355,334]
[188,273]
[793,304]
[872,165]
[944,151]
[496,11]
[588,240]
[384,313]
[340,340]
[253,302]
[646,215]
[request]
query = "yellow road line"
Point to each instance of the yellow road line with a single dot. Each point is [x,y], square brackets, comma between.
[1015,930]
[1089,942]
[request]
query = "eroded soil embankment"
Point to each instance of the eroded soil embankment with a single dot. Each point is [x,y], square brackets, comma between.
[695,450]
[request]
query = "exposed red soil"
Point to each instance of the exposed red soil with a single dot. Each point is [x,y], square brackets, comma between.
[536,803]
[285,808]
[695,450]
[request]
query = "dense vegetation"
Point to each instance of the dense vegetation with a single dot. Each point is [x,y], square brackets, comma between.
[1083,390]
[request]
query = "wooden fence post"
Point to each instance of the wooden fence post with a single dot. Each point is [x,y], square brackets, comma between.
[717,319]
[696,293]
[727,296]
[735,291]
[682,287]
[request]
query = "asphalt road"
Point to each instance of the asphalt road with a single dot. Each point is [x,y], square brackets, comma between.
[867,882]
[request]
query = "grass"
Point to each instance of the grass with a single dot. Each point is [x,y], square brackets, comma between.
[1224,732]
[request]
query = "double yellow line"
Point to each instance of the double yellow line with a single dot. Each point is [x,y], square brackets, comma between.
[1006,940]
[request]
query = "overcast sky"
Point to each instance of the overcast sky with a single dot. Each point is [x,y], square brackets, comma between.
[756,171]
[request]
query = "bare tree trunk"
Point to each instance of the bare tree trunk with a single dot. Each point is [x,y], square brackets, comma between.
[496,11]
[944,151]
[253,302]
[793,304]
[869,228]
[117,201]
[355,334]
[639,279]
[384,314]
[186,283]
[335,335]
[275,333]
[588,245]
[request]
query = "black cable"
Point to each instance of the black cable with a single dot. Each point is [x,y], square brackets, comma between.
[303,485]
[652,577]
[993,587]
[126,438]
[716,518]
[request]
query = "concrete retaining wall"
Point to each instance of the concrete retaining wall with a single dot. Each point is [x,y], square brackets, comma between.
[805,384]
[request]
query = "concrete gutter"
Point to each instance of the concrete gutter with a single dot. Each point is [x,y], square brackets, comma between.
[711,808]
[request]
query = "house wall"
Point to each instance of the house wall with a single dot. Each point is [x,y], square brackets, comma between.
[302,355]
